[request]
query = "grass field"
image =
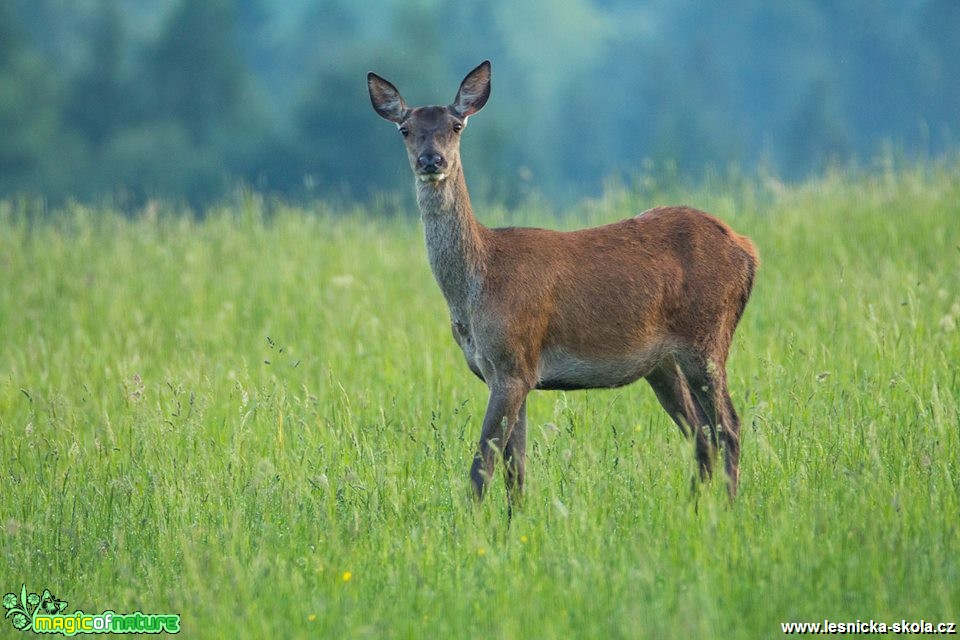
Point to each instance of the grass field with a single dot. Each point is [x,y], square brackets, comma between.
[259,420]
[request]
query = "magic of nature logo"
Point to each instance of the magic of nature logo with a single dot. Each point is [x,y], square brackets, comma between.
[44,613]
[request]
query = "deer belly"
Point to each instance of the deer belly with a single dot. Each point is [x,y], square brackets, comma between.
[563,370]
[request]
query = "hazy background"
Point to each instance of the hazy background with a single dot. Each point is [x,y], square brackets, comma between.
[186,99]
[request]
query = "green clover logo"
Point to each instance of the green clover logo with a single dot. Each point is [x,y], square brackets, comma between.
[24,607]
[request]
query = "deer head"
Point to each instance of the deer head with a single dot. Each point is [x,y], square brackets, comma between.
[432,134]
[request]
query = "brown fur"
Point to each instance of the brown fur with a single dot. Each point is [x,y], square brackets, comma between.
[655,296]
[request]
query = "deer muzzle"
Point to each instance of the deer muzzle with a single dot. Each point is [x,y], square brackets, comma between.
[431,167]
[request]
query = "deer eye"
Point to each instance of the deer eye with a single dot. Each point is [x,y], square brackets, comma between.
[404,131]
[457,127]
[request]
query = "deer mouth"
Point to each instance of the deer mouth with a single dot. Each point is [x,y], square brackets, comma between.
[433,176]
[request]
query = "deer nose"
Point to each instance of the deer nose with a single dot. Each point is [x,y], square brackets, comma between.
[431,162]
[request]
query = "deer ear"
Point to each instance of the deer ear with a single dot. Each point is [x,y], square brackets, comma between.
[474,91]
[386,99]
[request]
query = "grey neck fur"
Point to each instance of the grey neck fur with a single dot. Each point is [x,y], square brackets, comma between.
[455,243]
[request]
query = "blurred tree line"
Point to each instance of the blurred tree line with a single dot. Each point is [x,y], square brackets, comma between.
[133,99]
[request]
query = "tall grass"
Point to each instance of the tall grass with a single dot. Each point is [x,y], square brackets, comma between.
[259,420]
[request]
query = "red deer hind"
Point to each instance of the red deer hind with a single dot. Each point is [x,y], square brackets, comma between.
[656,296]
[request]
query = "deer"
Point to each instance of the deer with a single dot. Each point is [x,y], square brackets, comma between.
[655,296]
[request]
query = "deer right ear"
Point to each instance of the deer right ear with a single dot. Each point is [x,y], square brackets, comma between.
[386,99]
[474,91]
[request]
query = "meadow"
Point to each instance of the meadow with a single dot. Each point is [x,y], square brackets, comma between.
[258,419]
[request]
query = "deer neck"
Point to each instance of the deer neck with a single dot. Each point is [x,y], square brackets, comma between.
[455,240]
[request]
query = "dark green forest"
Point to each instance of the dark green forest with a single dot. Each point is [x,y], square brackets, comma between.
[186,99]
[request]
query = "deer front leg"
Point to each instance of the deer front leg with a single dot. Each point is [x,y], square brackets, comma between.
[514,460]
[503,414]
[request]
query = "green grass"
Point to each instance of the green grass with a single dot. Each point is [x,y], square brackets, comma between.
[226,418]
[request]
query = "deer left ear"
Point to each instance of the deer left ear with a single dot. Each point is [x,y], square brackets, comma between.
[474,91]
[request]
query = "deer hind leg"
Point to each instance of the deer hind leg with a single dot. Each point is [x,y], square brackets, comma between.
[675,395]
[730,439]
[707,379]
